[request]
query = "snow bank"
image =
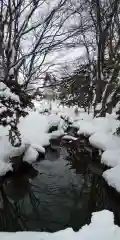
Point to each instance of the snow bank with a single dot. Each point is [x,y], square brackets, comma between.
[34,132]
[30,155]
[106,124]
[66,112]
[38,148]
[101,135]
[102,227]
[53,120]
[104,141]
[68,137]
[111,158]
[112,176]
[101,124]
[69,113]
[86,128]
[56,134]
[7,151]
[34,129]
[5,167]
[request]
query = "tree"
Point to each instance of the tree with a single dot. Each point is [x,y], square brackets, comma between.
[96,27]
[29,30]
[76,89]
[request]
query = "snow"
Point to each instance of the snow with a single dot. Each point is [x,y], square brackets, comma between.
[86,128]
[3,131]
[5,167]
[45,105]
[112,176]
[38,148]
[6,93]
[98,106]
[111,158]
[110,144]
[100,124]
[69,113]
[56,134]
[30,155]
[104,141]
[7,151]
[11,72]
[103,123]
[102,227]
[34,128]
[63,111]
[53,120]
[101,135]
[68,137]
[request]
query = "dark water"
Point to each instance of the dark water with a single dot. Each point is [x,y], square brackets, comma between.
[55,193]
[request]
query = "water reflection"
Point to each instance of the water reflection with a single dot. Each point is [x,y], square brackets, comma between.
[12,195]
[60,191]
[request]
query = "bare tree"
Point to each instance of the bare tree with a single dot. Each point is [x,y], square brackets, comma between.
[29,30]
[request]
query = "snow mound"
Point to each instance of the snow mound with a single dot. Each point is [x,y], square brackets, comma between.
[34,128]
[112,176]
[107,124]
[5,167]
[38,148]
[100,124]
[7,151]
[56,134]
[34,133]
[86,128]
[53,120]
[68,137]
[102,227]
[30,155]
[104,141]
[111,158]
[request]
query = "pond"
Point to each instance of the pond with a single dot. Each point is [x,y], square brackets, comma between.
[57,192]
